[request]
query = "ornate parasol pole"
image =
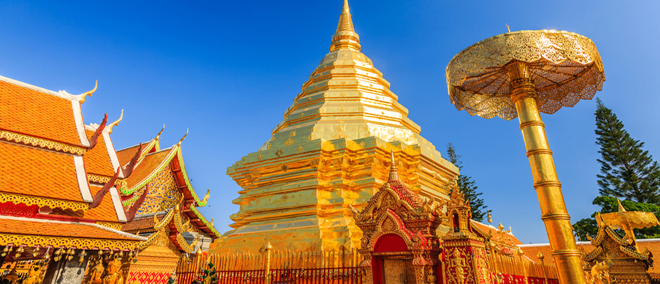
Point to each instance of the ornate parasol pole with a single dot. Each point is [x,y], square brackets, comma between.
[522,74]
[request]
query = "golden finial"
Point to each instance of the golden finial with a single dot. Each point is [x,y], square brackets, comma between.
[116,122]
[184,137]
[621,209]
[211,222]
[540,256]
[88,93]
[507,28]
[161,132]
[490,218]
[394,176]
[345,21]
[501,227]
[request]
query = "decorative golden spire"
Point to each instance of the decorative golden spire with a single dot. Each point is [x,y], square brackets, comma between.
[345,21]
[394,176]
[345,36]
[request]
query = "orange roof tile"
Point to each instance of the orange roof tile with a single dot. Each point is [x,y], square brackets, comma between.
[97,161]
[36,172]
[148,165]
[143,223]
[35,113]
[125,155]
[105,211]
[25,226]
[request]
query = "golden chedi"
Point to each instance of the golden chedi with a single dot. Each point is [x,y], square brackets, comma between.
[330,151]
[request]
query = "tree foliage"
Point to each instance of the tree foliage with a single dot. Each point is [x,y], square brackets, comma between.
[609,204]
[627,171]
[468,187]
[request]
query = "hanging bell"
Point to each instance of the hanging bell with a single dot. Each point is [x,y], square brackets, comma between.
[6,251]
[35,251]
[20,249]
[17,255]
[100,252]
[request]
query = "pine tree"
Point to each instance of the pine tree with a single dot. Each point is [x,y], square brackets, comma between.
[468,187]
[627,171]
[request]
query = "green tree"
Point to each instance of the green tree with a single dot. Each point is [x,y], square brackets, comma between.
[627,171]
[609,204]
[467,186]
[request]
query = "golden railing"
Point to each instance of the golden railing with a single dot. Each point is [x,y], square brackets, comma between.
[507,269]
[327,266]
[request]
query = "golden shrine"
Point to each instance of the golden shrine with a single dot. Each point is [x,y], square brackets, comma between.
[617,258]
[69,203]
[330,151]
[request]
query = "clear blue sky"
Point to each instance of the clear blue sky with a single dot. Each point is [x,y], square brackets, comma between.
[228,69]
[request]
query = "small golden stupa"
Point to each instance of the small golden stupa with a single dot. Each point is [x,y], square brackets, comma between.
[331,150]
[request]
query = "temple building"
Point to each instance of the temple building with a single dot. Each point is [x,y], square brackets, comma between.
[74,210]
[330,151]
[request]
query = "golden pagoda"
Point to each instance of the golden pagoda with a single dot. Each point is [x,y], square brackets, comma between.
[331,150]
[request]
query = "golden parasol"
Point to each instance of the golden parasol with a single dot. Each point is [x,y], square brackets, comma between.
[520,74]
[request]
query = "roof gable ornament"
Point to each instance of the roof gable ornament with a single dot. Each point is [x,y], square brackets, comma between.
[99,195]
[128,169]
[116,122]
[81,98]
[161,132]
[131,212]
[182,138]
[95,137]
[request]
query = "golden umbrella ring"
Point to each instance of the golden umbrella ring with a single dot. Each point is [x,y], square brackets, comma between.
[521,74]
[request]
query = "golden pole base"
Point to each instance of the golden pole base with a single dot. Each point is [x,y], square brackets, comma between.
[547,185]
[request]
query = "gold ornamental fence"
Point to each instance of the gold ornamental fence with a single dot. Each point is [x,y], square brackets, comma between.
[510,270]
[327,266]
[336,267]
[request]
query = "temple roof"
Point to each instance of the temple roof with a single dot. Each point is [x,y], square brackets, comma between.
[110,209]
[93,235]
[125,155]
[97,160]
[42,113]
[45,175]
[147,168]
[152,163]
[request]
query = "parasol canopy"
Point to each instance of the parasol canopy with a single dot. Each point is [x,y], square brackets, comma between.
[565,67]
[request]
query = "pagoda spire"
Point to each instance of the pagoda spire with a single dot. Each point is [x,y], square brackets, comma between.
[345,37]
[345,21]
[394,175]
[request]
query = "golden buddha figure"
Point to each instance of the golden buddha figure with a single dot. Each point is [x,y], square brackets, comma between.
[34,276]
[113,275]
[96,273]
